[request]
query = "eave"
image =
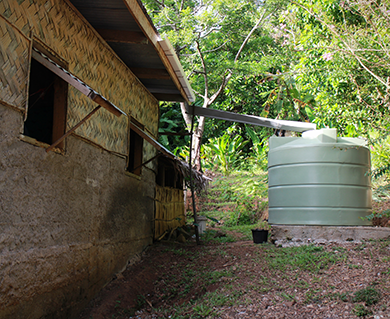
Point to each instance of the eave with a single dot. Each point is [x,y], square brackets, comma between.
[129,31]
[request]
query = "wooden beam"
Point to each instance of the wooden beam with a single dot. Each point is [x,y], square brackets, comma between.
[76,83]
[157,90]
[106,104]
[123,36]
[169,97]
[174,134]
[148,161]
[73,129]
[143,73]
[66,76]
[59,110]
[146,25]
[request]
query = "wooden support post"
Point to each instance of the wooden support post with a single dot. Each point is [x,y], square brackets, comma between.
[72,129]
[192,185]
[148,161]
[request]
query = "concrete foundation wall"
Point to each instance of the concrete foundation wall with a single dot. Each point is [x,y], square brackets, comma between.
[294,235]
[67,222]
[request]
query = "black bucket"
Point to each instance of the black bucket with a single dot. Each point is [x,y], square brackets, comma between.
[259,236]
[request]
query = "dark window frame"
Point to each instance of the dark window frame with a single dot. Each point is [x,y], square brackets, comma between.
[47,103]
[136,149]
[167,175]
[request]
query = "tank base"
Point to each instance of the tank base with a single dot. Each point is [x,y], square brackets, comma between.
[291,235]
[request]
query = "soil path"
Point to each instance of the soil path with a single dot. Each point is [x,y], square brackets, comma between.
[244,280]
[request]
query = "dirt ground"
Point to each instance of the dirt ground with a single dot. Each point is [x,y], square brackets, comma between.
[241,279]
[246,280]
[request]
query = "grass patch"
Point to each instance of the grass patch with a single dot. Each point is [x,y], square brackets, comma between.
[215,276]
[204,307]
[178,251]
[245,230]
[287,297]
[311,295]
[214,236]
[361,311]
[370,296]
[350,266]
[221,204]
[310,258]
[237,199]
[344,296]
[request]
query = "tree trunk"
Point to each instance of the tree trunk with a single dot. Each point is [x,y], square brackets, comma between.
[207,101]
[196,137]
[197,142]
[186,117]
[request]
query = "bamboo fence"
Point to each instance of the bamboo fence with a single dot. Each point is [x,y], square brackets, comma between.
[170,212]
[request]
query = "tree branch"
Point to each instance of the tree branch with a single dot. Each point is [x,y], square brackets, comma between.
[248,36]
[350,50]
[228,73]
[206,82]
[216,49]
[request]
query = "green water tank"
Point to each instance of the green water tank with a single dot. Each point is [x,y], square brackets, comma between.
[319,179]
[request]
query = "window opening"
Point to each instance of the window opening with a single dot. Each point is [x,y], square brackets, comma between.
[135,152]
[52,64]
[46,110]
[167,175]
[170,177]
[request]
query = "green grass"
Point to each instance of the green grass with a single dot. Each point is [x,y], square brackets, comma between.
[344,296]
[245,230]
[370,296]
[216,275]
[209,236]
[286,296]
[311,258]
[179,251]
[236,200]
[233,186]
[204,307]
[361,311]
[220,204]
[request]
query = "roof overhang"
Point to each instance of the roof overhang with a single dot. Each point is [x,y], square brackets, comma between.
[129,31]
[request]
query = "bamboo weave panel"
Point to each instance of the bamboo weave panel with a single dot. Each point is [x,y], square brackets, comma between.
[14,63]
[60,28]
[169,210]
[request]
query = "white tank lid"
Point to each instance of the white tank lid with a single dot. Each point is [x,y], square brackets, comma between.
[325,135]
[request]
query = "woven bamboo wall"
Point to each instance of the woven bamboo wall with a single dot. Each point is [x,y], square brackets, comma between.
[169,210]
[60,28]
[14,61]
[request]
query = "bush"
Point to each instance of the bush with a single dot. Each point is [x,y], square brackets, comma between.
[368,295]
[361,311]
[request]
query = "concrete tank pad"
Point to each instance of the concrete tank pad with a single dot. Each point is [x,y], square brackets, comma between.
[288,235]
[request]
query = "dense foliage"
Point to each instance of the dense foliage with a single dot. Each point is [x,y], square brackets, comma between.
[323,61]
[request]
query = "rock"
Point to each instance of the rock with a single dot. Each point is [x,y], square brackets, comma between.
[289,303]
[181,238]
[219,234]
[119,276]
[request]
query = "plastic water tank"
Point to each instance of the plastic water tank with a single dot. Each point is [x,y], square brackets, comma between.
[319,179]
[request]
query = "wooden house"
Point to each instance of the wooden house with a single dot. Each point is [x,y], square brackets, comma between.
[80,85]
